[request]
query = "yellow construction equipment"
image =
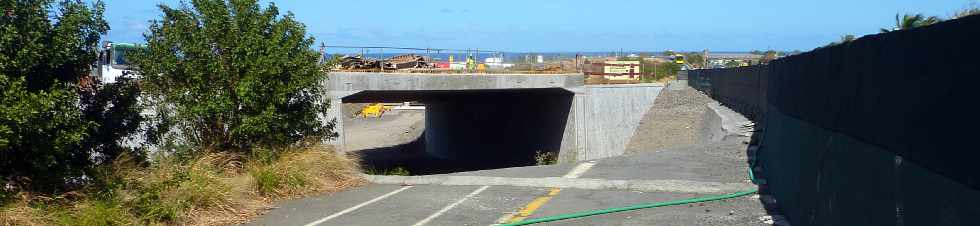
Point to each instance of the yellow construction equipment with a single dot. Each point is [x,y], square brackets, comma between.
[374,110]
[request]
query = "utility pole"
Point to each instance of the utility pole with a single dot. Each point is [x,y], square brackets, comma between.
[705,58]
[323,47]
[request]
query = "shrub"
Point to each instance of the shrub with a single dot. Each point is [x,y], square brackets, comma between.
[397,171]
[545,158]
[303,170]
[52,132]
[40,132]
[237,76]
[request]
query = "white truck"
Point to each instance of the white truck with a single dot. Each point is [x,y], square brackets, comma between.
[113,64]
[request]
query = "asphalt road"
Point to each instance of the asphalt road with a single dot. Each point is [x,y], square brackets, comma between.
[475,199]
[488,197]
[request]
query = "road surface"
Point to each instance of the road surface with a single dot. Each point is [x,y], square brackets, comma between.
[497,196]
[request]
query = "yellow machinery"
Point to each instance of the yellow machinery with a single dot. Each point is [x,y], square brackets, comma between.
[374,110]
[679,59]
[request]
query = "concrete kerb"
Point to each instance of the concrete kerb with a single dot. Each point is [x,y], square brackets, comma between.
[732,123]
[670,186]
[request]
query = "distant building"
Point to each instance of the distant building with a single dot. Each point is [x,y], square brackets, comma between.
[496,62]
[615,70]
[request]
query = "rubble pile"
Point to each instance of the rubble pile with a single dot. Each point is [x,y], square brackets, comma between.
[406,61]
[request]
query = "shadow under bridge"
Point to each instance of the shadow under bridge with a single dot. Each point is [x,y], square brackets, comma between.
[490,128]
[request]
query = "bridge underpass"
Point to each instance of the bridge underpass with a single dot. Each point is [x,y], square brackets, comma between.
[489,121]
[484,128]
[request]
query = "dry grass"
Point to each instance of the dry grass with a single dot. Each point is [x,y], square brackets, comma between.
[215,189]
[20,213]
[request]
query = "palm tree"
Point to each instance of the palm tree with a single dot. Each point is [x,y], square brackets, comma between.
[908,21]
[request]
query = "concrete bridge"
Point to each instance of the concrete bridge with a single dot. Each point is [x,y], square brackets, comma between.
[499,117]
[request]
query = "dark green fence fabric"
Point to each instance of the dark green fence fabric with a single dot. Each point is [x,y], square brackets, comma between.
[878,131]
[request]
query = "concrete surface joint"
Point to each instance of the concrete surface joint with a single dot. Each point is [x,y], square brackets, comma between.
[673,186]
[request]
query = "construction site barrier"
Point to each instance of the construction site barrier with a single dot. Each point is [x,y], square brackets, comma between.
[876,131]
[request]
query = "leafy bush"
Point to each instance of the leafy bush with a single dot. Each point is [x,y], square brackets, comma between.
[397,171]
[542,158]
[53,131]
[237,76]
[39,134]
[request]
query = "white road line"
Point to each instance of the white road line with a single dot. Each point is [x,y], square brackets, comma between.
[358,206]
[579,170]
[450,206]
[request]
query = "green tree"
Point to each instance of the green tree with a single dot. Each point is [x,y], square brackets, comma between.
[733,64]
[909,21]
[52,130]
[236,76]
[695,59]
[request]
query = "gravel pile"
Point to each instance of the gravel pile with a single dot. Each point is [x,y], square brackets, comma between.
[675,120]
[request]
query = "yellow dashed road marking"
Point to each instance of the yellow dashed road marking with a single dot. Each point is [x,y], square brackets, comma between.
[533,206]
[540,201]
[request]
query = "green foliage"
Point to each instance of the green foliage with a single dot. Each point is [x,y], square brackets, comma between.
[542,158]
[397,171]
[843,39]
[49,48]
[115,109]
[733,64]
[909,21]
[40,132]
[272,179]
[98,213]
[236,75]
[52,131]
[652,70]
[694,59]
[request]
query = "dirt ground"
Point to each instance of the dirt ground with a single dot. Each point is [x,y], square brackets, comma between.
[392,128]
[676,119]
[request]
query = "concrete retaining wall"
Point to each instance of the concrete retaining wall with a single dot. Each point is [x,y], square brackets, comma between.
[604,119]
[877,131]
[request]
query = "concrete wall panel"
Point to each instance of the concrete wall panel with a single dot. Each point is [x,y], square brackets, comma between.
[607,117]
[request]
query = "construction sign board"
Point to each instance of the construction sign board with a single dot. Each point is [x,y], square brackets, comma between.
[621,70]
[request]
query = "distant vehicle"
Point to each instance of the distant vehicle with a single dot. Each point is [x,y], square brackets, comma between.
[113,64]
[678,59]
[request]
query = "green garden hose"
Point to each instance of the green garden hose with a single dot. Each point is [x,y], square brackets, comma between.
[644,206]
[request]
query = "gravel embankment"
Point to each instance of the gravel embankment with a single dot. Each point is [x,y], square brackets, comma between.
[673,121]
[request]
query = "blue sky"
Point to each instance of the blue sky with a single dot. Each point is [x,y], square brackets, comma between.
[572,25]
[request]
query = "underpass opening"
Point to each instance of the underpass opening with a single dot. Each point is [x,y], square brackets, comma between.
[467,130]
